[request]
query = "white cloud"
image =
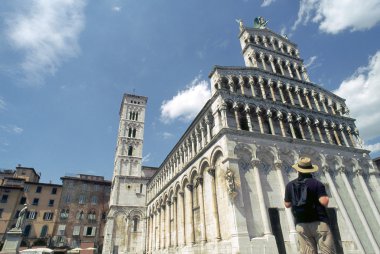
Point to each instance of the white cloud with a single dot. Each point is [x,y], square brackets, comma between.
[146,158]
[361,92]
[167,135]
[47,33]
[373,148]
[2,103]
[11,129]
[187,103]
[334,16]
[116,8]
[310,61]
[267,3]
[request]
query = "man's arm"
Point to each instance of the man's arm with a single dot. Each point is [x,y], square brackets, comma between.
[324,200]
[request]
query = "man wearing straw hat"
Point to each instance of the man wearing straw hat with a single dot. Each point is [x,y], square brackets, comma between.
[308,199]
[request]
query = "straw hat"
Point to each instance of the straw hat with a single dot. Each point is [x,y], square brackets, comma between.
[304,165]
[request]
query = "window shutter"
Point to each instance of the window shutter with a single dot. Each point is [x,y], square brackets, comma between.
[93,231]
[76,230]
[85,231]
[61,229]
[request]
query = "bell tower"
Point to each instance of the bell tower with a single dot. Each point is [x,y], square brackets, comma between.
[124,227]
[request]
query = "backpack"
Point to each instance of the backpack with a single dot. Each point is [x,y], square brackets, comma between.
[303,210]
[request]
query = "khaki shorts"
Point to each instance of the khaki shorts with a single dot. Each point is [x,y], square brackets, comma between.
[313,234]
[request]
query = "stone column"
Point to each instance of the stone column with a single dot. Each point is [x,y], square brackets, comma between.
[150,236]
[262,58]
[241,83]
[290,122]
[280,117]
[247,110]
[316,124]
[236,113]
[333,127]
[208,129]
[281,46]
[353,142]
[314,95]
[148,222]
[308,123]
[342,208]
[306,94]
[158,234]
[304,74]
[231,84]
[299,121]
[258,112]
[252,85]
[182,216]
[287,64]
[288,212]
[342,171]
[192,145]
[167,227]
[295,66]
[265,41]
[190,216]
[163,226]
[331,106]
[252,55]
[271,84]
[202,133]
[223,108]
[260,194]
[298,92]
[280,86]
[175,222]
[214,204]
[262,89]
[272,42]
[289,89]
[279,62]
[256,39]
[327,131]
[341,129]
[198,140]
[269,115]
[271,61]
[322,100]
[199,187]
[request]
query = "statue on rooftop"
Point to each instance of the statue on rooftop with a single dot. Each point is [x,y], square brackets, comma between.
[260,23]
[241,25]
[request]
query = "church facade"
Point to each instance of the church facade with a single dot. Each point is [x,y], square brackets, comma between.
[221,188]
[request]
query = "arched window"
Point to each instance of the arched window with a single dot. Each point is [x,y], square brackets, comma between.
[44,231]
[129,132]
[134,133]
[137,116]
[243,122]
[297,131]
[135,224]
[27,230]
[130,150]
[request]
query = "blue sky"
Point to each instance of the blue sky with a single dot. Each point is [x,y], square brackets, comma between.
[65,64]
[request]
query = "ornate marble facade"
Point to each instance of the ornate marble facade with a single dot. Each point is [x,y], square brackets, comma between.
[221,188]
